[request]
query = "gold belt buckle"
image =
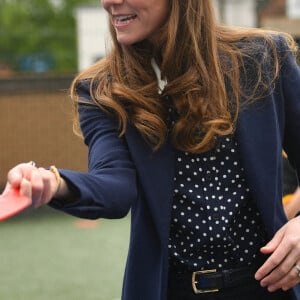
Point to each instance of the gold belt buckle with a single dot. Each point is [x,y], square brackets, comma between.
[194,282]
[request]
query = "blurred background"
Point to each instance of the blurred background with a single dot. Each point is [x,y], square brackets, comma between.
[45,254]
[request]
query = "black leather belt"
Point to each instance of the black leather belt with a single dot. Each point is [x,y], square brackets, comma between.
[212,281]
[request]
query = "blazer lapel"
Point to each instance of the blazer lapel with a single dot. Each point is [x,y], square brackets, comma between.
[155,174]
[260,147]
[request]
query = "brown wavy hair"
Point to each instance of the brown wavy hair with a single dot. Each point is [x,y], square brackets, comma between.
[202,61]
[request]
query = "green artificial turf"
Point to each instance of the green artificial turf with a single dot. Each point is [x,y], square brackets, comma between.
[47,256]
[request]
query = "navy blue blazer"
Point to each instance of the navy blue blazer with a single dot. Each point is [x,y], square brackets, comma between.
[125,174]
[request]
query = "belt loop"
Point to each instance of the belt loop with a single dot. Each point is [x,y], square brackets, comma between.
[227,278]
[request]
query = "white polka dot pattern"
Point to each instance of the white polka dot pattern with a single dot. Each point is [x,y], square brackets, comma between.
[215,224]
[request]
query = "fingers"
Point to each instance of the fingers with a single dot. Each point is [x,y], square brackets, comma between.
[279,271]
[292,279]
[281,266]
[43,186]
[25,188]
[16,174]
[38,184]
[288,281]
[37,187]
[274,259]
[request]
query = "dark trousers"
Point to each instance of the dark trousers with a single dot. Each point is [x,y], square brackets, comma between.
[249,291]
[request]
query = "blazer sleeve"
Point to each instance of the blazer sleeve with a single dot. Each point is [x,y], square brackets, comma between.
[109,187]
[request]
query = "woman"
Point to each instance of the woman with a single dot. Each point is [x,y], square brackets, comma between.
[185,121]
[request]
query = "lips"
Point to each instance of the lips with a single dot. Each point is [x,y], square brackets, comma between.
[124,19]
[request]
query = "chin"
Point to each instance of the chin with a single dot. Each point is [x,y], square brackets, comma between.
[128,41]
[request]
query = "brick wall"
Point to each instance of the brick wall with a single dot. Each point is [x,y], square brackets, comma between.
[36,124]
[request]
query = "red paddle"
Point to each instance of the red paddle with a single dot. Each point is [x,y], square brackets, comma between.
[12,203]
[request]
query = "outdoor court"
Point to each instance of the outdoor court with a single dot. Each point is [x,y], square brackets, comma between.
[46,256]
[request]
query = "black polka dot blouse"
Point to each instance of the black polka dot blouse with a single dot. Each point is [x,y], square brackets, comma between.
[215,223]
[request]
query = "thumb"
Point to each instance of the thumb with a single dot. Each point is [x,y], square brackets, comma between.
[7,188]
[25,188]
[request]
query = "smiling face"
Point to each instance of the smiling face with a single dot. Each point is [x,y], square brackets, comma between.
[136,20]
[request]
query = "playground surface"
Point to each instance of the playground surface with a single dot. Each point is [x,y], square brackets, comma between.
[46,256]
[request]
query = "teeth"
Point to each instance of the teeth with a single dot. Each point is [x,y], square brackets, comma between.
[125,19]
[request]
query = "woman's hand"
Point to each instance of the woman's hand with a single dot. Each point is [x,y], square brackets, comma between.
[280,271]
[39,184]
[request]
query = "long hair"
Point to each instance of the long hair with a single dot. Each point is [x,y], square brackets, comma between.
[202,62]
